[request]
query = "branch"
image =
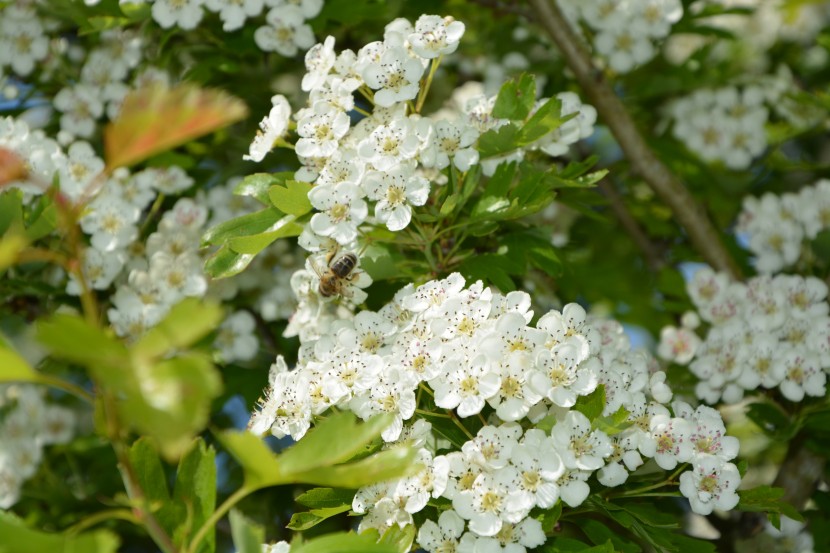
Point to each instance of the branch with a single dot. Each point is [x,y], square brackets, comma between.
[688,213]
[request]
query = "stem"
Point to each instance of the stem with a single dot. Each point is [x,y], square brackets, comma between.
[66,386]
[431,414]
[92,520]
[425,88]
[226,506]
[362,112]
[151,214]
[639,491]
[459,425]
[689,214]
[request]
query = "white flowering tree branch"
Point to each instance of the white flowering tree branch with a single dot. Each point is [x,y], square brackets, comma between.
[611,109]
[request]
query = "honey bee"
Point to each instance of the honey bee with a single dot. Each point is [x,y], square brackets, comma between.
[339,270]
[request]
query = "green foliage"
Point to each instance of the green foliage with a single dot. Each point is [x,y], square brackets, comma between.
[766,499]
[326,456]
[167,398]
[343,542]
[593,404]
[18,538]
[248,536]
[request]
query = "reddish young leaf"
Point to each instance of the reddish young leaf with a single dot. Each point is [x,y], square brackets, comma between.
[156,118]
[12,168]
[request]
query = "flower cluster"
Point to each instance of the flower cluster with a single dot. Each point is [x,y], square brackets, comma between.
[29,423]
[625,31]
[777,226]
[772,332]
[383,164]
[470,352]
[725,125]
[286,30]
[23,40]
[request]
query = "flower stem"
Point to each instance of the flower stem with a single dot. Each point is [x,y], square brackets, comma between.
[425,88]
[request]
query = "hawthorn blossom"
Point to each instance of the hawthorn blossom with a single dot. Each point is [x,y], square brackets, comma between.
[396,190]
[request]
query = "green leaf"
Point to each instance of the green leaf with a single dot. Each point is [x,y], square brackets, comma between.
[499,184]
[516,98]
[338,438]
[316,458]
[766,499]
[400,538]
[13,368]
[613,424]
[42,221]
[381,262]
[305,520]
[224,262]
[550,517]
[252,245]
[11,210]
[72,338]
[291,198]
[325,498]
[195,492]
[546,119]
[187,322]
[383,465]
[149,471]
[17,538]
[569,545]
[172,401]
[343,542]
[593,404]
[500,141]
[491,268]
[600,534]
[247,536]
[772,420]
[246,225]
[258,185]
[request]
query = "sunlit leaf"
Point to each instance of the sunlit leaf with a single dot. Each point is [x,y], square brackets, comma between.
[156,118]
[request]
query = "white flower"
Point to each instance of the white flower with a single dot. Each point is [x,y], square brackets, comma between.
[389,145]
[451,140]
[182,275]
[442,536]
[233,13]
[319,60]
[677,345]
[320,131]
[540,467]
[342,210]
[286,31]
[435,36]
[560,377]
[668,442]
[711,484]
[111,222]
[395,191]
[393,393]
[467,381]
[24,41]
[271,128]
[184,13]
[236,339]
[395,77]
[579,446]
[99,270]
[81,106]
[486,506]
[493,446]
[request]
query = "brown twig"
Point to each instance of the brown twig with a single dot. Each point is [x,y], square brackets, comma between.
[689,214]
[630,225]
